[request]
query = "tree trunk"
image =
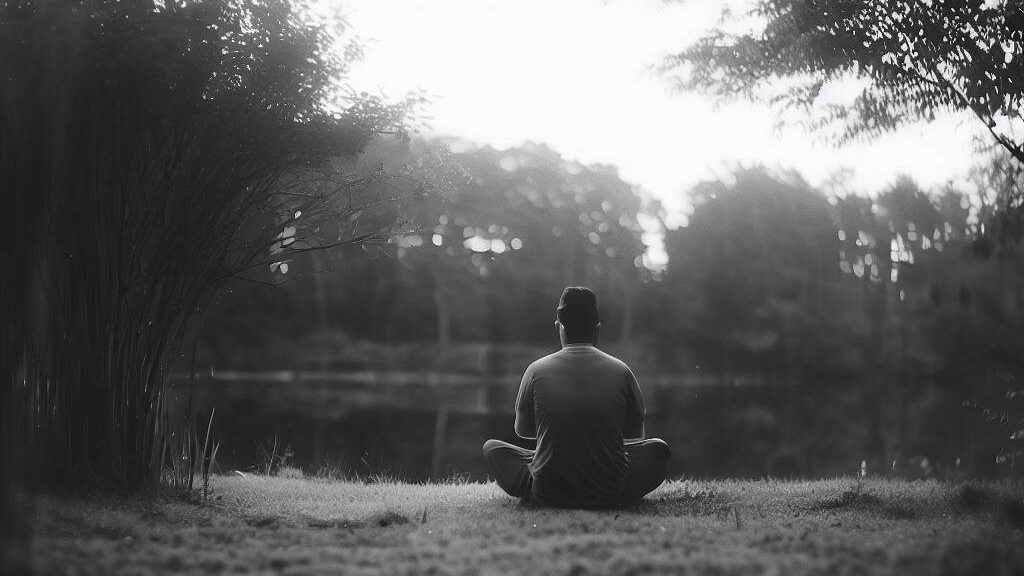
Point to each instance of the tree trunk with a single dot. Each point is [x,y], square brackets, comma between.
[444,315]
[879,370]
[320,295]
[440,432]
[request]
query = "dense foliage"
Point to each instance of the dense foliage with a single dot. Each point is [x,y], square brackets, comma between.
[908,61]
[149,152]
[921,58]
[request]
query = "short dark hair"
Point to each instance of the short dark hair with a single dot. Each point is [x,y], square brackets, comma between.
[577,311]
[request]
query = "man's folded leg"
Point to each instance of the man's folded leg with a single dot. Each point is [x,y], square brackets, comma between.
[510,465]
[648,460]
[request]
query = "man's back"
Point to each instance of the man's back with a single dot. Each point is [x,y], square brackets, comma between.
[580,403]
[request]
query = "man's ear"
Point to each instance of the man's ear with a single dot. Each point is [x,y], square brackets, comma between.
[597,331]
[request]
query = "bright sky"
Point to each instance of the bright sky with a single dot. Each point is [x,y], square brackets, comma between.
[577,75]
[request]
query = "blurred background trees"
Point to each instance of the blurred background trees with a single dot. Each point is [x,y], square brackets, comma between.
[478,264]
[855,71]
[872,319]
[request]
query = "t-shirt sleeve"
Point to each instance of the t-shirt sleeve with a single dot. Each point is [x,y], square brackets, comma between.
[635,409]
[525,426]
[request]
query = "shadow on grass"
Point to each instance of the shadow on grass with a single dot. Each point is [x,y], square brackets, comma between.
[686,500]
[973,498]
[859,500]
[382,520]
[675,501]
[682,501]
[968,499]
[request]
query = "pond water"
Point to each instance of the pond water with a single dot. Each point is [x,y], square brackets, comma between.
[421,426]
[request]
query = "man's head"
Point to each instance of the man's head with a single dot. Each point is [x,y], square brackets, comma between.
[578,321]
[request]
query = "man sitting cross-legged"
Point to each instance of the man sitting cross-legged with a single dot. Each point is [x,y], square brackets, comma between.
[586,411]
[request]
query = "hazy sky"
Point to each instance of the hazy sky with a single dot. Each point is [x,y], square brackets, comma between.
[577,75]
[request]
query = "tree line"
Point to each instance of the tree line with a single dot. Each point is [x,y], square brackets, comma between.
[898,296]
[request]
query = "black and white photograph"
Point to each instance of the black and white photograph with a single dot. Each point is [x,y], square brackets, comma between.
[531,287]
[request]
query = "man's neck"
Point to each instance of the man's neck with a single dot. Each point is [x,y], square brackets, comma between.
[577,344]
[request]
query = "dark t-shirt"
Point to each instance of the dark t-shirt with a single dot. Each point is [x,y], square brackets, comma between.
[580,404]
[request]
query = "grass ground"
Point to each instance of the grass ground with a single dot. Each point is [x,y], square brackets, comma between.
[262,525]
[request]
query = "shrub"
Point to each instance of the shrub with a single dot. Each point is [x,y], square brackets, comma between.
[150,153]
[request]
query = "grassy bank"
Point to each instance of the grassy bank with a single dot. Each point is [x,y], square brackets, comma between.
[306,526]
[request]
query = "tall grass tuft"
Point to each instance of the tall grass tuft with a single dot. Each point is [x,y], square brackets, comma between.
[186,453]
[271,457]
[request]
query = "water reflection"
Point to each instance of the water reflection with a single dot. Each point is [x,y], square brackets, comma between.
[417,426]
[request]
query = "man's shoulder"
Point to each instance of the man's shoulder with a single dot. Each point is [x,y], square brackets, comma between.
[595,355]
[603,358]
[543,361]
[612,359]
